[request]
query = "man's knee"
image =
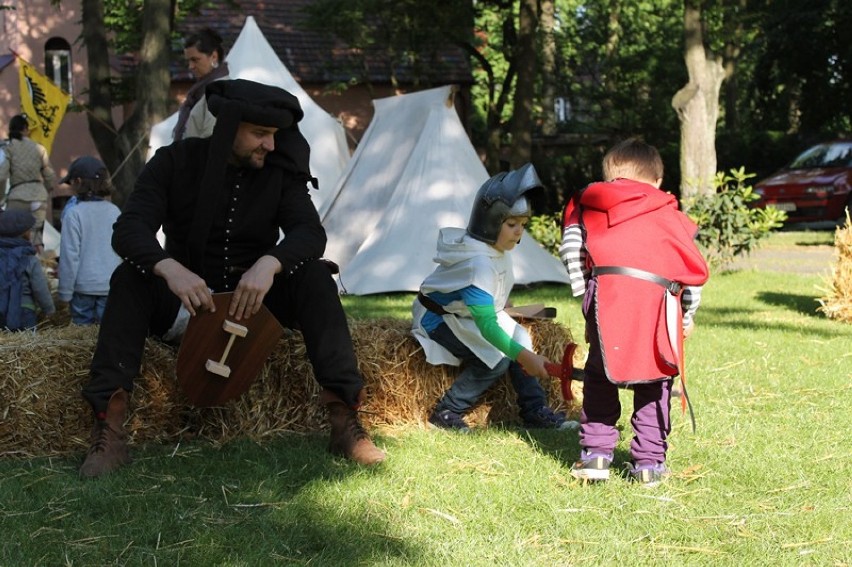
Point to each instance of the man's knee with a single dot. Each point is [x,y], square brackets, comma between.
[315,276]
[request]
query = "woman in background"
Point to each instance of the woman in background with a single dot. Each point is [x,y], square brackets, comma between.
[31,178]
[206,59]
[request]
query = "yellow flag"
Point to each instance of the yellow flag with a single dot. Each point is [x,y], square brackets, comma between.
[44,104]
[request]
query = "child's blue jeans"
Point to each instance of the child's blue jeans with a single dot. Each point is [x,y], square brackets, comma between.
[475,378]
[87,309]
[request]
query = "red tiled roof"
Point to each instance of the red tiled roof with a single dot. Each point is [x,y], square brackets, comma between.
[313,57]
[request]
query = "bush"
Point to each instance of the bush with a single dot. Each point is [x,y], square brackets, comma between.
[547,230]
[727,225]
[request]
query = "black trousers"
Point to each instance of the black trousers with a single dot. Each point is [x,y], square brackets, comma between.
[141,305]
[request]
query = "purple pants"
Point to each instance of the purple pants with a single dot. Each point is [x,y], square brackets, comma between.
[602,408]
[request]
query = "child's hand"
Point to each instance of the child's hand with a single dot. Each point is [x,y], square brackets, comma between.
[533,364]
[688,329]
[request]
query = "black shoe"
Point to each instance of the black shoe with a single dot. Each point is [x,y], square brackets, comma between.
[446,419]
[546,418]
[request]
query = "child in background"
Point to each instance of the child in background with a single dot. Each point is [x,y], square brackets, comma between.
[23,284]
[631,253]
[459,316]
[86,257]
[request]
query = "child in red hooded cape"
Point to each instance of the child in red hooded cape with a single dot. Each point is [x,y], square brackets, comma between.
[631,253]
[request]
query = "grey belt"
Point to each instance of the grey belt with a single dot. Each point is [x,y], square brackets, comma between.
[674,287]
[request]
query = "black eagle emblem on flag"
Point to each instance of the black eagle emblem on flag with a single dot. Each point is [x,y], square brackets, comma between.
[45,112]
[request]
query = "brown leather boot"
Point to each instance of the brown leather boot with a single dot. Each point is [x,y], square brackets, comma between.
[348,437]
[108,439]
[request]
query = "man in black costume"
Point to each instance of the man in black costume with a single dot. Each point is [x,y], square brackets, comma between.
[221,202]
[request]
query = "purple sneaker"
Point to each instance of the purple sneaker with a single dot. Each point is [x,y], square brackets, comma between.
[592,466]
[649,475]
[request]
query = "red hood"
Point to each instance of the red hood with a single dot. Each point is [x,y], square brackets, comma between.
[624,199]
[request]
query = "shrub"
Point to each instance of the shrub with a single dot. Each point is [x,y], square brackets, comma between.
[727,225]
[547,230]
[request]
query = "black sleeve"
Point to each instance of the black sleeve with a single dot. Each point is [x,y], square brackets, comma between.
[134,236]
[304,235]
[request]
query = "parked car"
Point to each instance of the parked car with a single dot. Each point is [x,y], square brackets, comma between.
[816,186]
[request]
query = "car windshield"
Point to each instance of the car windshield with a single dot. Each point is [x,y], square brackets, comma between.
[825,155]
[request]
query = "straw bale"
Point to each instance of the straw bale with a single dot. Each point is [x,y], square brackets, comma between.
[42,412]
[837,302]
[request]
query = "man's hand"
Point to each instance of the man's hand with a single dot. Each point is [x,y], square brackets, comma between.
[187,285]
[253,287]
[533,364]
[688,329]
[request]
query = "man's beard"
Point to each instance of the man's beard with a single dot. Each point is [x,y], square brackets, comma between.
[252,160]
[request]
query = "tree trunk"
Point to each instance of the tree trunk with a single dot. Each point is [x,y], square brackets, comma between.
[732,115]
[697,106]
[525,62]
[733,49]
[101,126]
[548,68]
[613,38]
[124,152]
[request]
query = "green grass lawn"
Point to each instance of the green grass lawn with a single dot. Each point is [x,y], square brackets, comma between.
[765,480]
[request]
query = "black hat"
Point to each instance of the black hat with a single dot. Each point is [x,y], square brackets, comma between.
[86,167]
[15,223]
[257,103]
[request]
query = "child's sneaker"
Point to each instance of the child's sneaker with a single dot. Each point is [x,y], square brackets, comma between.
[592,466]
[447,419]
[649,475]
[546,418]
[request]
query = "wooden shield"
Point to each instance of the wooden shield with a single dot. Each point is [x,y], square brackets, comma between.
[205,344]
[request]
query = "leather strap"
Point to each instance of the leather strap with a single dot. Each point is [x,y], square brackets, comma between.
[674,287]
[431,304]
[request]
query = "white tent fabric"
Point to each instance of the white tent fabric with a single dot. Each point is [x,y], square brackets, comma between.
[252,58]
[51,237]
[414,172]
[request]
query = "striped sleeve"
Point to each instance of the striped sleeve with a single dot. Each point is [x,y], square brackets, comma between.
[689,301]
[573,256]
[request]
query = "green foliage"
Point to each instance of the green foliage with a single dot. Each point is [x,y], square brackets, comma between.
[802,68]
[407,34]
[618,65]
[547,230]
[728,225]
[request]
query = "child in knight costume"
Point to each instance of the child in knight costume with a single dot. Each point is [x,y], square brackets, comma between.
[459,316]
[631,253]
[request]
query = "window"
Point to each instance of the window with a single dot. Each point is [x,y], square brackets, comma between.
[57,63]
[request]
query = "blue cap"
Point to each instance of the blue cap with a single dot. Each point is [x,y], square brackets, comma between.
[86,167]
[15,223]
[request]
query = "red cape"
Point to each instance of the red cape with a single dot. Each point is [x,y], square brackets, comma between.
[636,225]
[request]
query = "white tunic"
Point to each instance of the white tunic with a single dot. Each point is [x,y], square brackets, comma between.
[464,261]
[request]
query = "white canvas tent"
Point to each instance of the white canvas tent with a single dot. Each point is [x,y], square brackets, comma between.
[413,172]
[253,58]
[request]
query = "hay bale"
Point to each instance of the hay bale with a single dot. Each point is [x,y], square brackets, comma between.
[837,303]
[42,412]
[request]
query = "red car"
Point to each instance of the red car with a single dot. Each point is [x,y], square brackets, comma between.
[816,186]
